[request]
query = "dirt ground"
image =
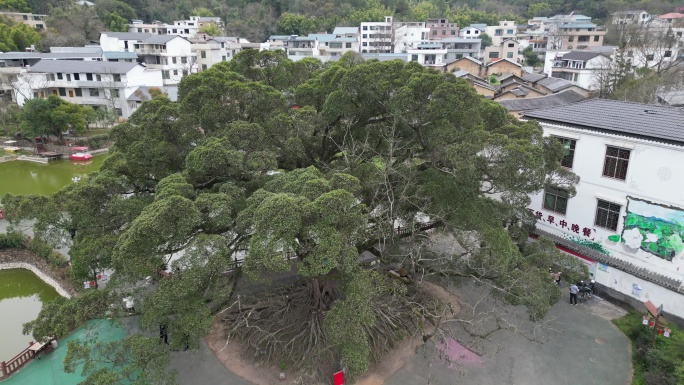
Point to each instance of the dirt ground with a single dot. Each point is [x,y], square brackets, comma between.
[232,355]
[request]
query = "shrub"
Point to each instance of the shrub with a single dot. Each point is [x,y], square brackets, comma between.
[43,249]
[98,141]
[11,241]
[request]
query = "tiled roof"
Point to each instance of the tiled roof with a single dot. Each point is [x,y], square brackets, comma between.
[127,35]
[553,100]
[533,77]
[581,55]
[501,61]
[671,15]
[77,66]
[160,39]
[665,124]
[555,84]
[345,30]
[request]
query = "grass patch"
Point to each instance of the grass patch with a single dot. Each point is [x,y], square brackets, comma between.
[655,363]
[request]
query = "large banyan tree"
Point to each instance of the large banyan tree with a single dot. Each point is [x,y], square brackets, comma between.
[299,167]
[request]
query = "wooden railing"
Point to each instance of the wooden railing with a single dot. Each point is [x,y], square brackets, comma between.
[16,363]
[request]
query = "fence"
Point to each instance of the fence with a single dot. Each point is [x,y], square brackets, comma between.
[16,363]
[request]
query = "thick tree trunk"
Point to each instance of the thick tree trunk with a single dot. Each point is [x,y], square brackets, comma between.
[324,292]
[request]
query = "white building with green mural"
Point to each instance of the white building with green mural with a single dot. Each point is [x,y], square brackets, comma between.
[627,219]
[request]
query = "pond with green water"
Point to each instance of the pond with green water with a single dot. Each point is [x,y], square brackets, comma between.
[22,295]
[22,177]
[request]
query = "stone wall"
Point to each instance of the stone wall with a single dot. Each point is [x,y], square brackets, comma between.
[53,276]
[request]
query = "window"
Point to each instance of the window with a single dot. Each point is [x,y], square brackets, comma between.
[509,31]
[649,57]
[571,38]
[94,92]
[596,38]
[493,55]
[616,163]
[568,151]
[347,45]
[509,55]
[68,77]
[77,77]
[365,44]
[511,45]
[79,93]
[443,32]
[204,54]
[62,91]
[117,77]
[98,78]
[434,32]
[175,72]
[118,111]
[59,75]
[184,60]
[165,74]
[668,54]
[173,60]
[555,199]
[89,76]
[25,17]
[115,94]
[453,32]
[414,57]
[204,67]
[139,30]
[365,28]
[185,72]
[607,215]
[223,57]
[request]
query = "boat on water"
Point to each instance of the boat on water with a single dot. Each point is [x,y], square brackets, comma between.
[80,154]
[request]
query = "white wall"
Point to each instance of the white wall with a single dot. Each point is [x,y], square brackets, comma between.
[653,174]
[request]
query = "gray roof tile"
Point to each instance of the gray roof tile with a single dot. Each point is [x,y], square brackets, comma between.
[127,35]
[77,66]
[553,100]
[665,124]
[581,55]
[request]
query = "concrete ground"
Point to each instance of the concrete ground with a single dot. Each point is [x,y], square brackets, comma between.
[573,345]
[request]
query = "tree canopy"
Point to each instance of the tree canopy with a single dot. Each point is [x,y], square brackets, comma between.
[53,116]
[233,172]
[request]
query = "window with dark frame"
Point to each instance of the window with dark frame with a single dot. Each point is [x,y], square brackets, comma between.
[617,160]
[607,215]
[555,199]
[568,151]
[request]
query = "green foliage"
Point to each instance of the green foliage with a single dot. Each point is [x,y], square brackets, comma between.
[538,10]
[135,360]
[654,363]
[296,24]
[16,37]
[15,5]
[44,250]
[231,169]
[531,57]
[202,11]
[11,240]
[486,40]
[61,316]
[114,14]
[211,29]
[53,116]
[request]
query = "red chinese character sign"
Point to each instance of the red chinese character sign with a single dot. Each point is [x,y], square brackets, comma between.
[338,378]
[551,219]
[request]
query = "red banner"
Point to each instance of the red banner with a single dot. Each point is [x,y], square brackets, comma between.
[338,378]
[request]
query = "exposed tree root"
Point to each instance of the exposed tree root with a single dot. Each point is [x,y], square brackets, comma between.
[284,327]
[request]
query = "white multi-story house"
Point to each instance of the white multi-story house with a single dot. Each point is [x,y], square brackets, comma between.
[631,18]
[91,83]
[428,54]
[377,37]
[587,69]
[458,47]
[472,31]
[184,28]
[504,31]
[626,221]
[121,41]
[172,54]
[407,35]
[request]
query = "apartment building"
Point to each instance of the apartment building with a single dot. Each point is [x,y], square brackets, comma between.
[216,50]
[377,37]
[625,221]
[568,32]
[458,47]
[34,20]
[441,28]
[428,54]
[90,83]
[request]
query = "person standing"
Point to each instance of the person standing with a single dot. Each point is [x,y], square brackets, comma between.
[573,294]
[556,277]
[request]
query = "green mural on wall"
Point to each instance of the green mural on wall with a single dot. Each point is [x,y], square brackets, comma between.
[653,228]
